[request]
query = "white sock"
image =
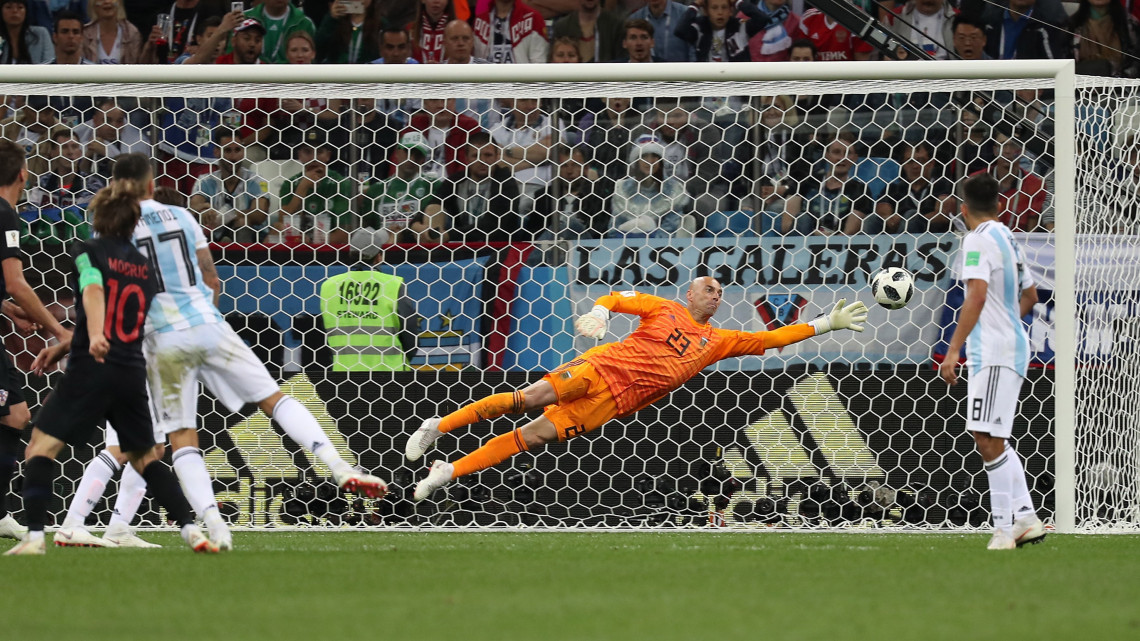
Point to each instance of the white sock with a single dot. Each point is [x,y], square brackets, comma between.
[1022,503]
[301,426]
[132,489]
[95,477]
[1000,474]
[195,480]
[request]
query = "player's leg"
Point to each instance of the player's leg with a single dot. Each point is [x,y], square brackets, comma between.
[567,419]
[131,417]
[235,375]
[1027,527]
[567,382]
[14,416]
[39,474]
[197,486]
[98,472]
[9,448]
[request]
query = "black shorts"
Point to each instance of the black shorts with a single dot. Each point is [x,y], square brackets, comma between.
[11,385]
[91,393]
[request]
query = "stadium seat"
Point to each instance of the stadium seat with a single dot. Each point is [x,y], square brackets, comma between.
[877,173]
[729,223]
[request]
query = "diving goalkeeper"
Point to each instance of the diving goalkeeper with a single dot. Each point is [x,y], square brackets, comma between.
[671,344]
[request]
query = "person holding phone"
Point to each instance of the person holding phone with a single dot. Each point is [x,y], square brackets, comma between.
[280,18]
[350,33]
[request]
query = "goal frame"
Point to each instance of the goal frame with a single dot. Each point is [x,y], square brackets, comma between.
[536,79]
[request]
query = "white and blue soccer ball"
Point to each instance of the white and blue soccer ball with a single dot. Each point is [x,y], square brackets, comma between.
[892,287]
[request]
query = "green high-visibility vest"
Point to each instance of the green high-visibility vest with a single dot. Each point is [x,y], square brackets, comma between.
[359,312]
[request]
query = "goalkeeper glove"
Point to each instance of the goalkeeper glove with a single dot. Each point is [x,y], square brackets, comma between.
[593,324]
[842,317]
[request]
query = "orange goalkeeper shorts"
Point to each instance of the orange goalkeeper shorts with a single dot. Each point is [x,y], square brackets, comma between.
[584,399]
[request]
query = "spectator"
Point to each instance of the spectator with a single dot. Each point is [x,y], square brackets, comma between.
[1022,197]
[1106,39]
[564,50]
[67,41]
[662,15]
[459,43]
[231,200]
[364,135]
[646,203]
[718,35]
[445,132]
[803,50]
[427,33]
[973,142]
[834,200]
[349,38]
[319,196]
[919,201]
[111,39]
[570,207]
[185,17]
[300,48]
[597,32]
[109,134]
[969,37]
[24,43]
[673,129]
[832,40]
[395,47]
[280,19]
[934,20]
[774,207]
[248,43]
[779,155]
[511,32]
[637,40]
[609,133]
[28,128]
[406,205]
[209,43]
[483,204]
[526,135]
[774,43]
[69,180]
[1013,35]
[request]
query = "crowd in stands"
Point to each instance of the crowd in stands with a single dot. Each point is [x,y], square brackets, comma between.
[325,170]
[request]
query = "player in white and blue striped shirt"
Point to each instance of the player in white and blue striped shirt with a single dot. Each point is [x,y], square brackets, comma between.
[187,342]
[999,293]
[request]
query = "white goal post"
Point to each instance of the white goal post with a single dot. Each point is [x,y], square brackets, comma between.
[674,81]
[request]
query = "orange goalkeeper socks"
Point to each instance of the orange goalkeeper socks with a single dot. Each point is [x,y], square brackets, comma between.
[492,406]
[492,452]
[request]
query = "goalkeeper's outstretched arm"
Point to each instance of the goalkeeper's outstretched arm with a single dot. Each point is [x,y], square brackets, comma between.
[593,323]
[842,316]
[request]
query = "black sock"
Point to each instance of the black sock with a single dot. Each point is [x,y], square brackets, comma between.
[161,482]
[39,472]
[9,446]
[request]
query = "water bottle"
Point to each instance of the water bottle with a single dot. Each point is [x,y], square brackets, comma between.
[292,233]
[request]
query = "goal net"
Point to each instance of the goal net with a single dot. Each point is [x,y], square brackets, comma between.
[508,199]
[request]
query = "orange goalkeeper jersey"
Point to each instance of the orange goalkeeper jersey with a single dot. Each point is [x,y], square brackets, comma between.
[669,347]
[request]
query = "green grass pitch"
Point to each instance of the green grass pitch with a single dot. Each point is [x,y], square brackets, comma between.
[544,586]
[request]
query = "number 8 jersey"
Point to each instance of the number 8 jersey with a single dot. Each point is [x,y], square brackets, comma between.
[128,289]
[170,238]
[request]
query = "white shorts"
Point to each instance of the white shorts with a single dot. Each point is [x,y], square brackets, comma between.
[213,354]
[991,400]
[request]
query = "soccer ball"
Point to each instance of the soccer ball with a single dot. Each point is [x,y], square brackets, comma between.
[892,287]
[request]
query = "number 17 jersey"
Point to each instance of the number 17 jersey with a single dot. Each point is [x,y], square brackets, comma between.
[170,237]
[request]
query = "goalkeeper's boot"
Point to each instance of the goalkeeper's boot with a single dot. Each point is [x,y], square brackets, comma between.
[1001,540]
[10,529]
[197,540]
[120,535]
[421,440]
[350,480]
[79,537]
[27,547]
[439,476]
[1028,530]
